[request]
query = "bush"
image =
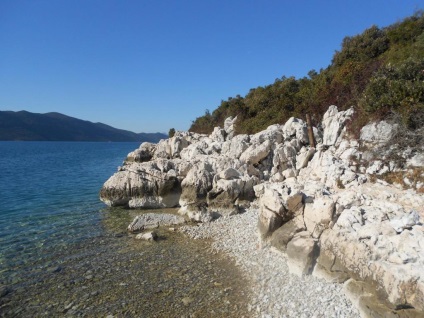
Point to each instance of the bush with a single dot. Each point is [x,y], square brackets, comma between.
[399,88]
[368,45]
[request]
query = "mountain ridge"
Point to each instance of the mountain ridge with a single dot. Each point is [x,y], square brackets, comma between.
[53,126]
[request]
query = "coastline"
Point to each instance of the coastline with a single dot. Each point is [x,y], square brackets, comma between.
[327,204]
[275,292]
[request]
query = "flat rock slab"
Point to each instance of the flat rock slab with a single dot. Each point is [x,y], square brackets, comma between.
[154,220]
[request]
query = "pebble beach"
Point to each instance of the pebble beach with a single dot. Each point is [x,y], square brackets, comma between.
[275,292]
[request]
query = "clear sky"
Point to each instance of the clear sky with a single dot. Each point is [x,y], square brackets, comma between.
[149,65]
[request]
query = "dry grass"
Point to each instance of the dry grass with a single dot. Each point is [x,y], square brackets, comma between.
[414,175]
[340,184]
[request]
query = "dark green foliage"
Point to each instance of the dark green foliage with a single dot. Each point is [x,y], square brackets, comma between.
[396,88]
[380,70]
[368,45]
[407,31]
[171,132]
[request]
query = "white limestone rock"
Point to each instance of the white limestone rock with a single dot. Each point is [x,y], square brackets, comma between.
[229,127]
[405,221]
[268,222]
[234,147]
[148,236]
[318,215]
[273,134]
[296,128]
[154,220]
[226,194]
[144,153]
[304,157]
[284,234]
[302,251]
[256,152]
[416,161]
[229,173]
[142,185]
[218,134]
[171,148]
[204,147]
[333,123]
[378,132]
[195,187]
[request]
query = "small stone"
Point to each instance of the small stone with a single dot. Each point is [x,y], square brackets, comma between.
[4,290]
[148,236]
[187,300]
[68,305]
[55,269]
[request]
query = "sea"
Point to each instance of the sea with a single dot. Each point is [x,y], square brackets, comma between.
[63,253]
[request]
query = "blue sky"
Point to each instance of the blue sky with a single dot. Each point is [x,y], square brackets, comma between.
[147,66]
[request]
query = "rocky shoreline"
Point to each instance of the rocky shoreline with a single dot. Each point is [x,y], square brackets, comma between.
[318,202]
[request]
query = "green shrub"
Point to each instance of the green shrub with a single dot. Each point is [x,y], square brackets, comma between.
[399,88]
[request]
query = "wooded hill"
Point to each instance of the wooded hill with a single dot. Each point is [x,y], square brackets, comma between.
[379,72]
[26,126]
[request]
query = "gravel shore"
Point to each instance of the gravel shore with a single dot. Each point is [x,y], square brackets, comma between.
[275,292]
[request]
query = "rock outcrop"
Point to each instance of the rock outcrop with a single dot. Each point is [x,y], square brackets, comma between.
[317,205]
[208,176]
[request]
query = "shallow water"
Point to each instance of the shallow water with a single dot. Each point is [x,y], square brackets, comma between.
[63,253]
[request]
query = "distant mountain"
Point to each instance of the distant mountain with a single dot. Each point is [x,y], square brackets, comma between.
[28,126]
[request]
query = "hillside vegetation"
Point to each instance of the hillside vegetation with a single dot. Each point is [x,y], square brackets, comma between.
[379,72]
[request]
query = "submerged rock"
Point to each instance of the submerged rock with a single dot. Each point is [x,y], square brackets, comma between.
[154,220]
[148,236]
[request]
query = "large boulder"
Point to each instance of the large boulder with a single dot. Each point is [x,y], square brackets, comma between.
[296,128]
[195,187]
[142,185]
[333,123]
[235,146]
[144,153]
[256,152]
[218,134]
[283,162]
[284,234]
[302,251]
[278,204]
[231,191]
[319,215]
[378,132]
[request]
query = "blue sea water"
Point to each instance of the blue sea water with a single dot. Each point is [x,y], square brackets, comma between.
[49,198]
[63,253]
